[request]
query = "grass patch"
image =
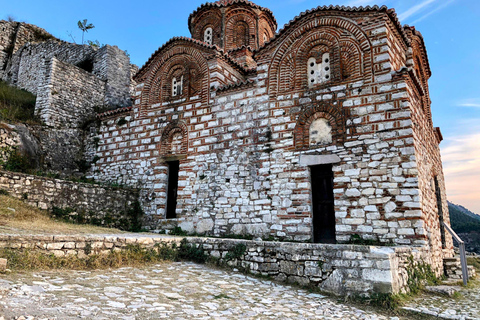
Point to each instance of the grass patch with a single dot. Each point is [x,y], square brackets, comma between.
[131,256]
[475,262]
[16,105]
[18,217]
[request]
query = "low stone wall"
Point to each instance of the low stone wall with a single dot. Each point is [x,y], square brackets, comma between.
[91,201]
[339,269]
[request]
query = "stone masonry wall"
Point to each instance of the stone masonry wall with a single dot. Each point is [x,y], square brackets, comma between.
[338,269]
[9,140]
[45,193]
[113,66]
[71,97]
[14,35]
[27,68]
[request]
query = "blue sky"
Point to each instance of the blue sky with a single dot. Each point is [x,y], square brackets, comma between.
[451,29]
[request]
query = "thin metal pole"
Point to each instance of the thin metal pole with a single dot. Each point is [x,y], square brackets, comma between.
[463,256]
[463,259]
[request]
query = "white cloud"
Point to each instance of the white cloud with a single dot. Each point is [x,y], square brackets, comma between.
[443,5]
[475,103]
[414,9]
[461,166]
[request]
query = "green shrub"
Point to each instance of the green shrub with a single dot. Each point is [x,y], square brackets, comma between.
[16,105]
[177,231]
[236,253]
[191,252]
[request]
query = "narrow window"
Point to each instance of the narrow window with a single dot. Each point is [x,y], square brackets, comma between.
[318,71]
[172,188]
[208,36]
[174,87]
[438,194]
[177,86]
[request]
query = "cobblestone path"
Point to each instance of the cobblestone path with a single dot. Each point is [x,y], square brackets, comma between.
[163,291]
[464,307]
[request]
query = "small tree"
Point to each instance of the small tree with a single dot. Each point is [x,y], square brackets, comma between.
[84,26]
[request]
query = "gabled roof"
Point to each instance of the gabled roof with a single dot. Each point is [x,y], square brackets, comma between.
[215,49]
[390,12]
[225,3]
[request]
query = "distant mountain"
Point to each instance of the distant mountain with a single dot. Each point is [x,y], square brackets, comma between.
[462,219]
[467,225]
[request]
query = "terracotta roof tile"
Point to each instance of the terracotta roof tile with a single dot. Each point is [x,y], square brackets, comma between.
[219,52]
[391,13]
[223,3]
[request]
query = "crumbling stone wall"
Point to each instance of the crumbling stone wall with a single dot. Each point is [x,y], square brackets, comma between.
[14,35]
[64,104]
[72,82]
[93,201]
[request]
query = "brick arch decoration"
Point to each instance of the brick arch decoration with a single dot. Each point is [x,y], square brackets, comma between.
[350,57]
[179,53]
[191,78]
[233,19]
[293,67]
[333,114]
[312,25]
[265,28]
[168,133]
[211,18]
[326,38]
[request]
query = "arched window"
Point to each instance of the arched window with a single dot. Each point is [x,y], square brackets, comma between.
[318,71]
[320,132]
[241,34]
[208,35]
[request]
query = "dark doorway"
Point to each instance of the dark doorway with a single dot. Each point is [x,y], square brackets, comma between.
[438,194]
[172,186]
[323,204]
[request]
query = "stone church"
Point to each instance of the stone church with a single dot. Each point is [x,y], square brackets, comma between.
[319,132]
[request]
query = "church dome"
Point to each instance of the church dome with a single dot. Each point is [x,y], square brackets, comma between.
[231,24]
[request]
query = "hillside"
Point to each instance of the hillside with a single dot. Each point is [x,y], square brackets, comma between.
[462,219]
[467,225]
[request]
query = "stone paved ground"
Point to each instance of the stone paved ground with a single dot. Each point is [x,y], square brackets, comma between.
[164,291]
[465,306]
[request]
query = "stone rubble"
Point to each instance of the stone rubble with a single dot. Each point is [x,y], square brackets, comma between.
[162,291]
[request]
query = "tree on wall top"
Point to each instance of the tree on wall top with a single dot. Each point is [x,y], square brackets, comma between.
[84,26]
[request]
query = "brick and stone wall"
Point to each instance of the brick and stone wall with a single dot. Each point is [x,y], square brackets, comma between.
[338,269]
[93,201]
